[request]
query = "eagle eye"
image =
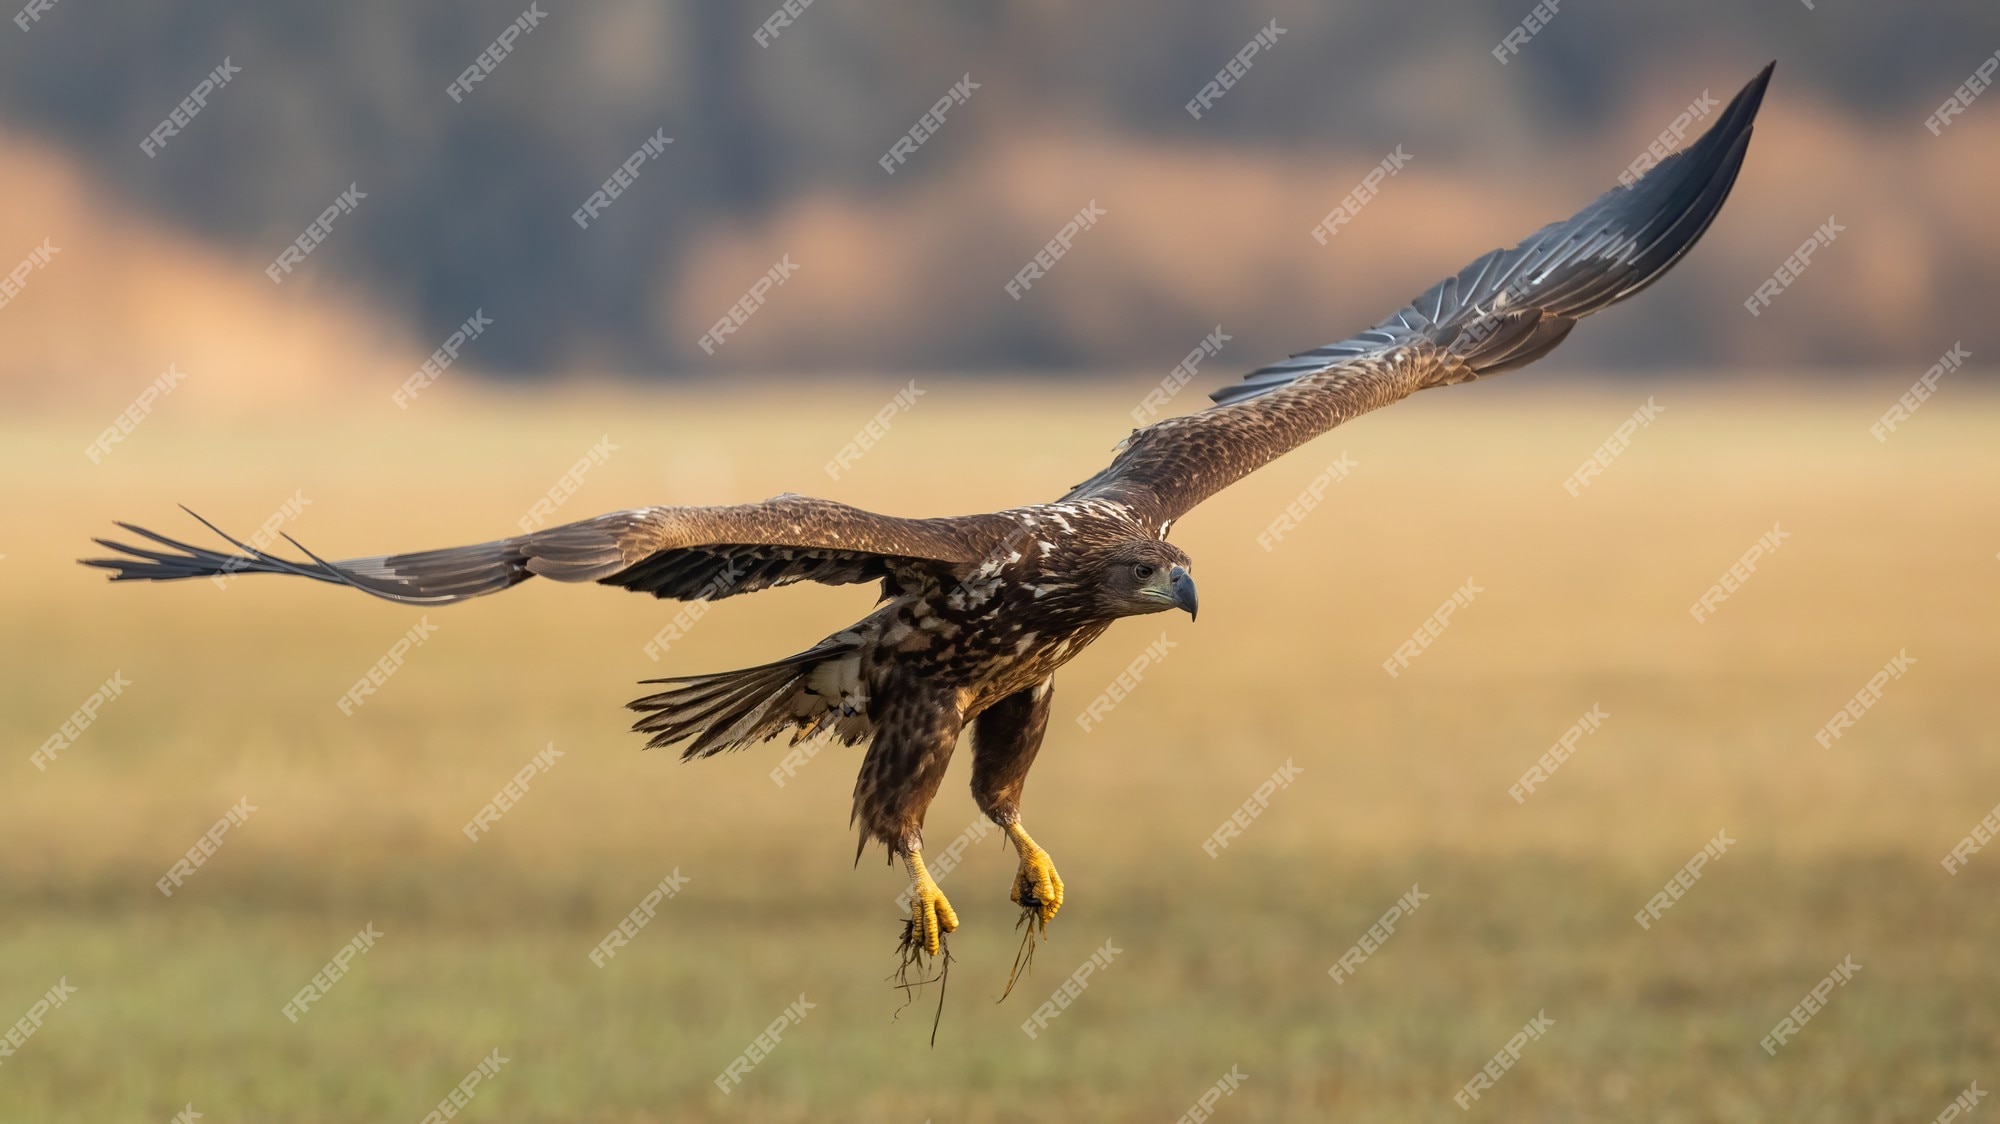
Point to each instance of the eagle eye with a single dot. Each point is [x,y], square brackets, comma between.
[1142,571]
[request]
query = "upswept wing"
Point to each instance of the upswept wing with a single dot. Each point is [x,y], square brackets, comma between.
[1507,309]
[684,553]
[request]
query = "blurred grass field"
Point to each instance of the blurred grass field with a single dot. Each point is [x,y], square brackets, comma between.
[1224,962]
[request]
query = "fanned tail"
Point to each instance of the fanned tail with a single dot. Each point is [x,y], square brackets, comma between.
[816,690]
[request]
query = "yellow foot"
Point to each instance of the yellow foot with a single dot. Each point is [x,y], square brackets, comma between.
[1038,889]
[931,916]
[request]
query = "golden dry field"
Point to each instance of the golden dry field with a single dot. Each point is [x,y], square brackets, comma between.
[1222,961]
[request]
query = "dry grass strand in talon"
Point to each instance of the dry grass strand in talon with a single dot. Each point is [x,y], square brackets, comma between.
[1024,957]
[910,954]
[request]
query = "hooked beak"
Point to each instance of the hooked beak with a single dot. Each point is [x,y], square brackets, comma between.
[1181,585]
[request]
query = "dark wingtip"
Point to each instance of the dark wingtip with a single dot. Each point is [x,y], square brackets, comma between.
[106,544]
[1751,96]
[122,569]
[1741,112]
[1734,123]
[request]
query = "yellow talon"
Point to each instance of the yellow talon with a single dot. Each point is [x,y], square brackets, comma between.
[1037,886]
[931,916]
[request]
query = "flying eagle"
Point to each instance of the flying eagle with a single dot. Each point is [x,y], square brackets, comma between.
[978,612]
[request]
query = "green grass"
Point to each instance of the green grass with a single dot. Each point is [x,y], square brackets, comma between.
[1222,969]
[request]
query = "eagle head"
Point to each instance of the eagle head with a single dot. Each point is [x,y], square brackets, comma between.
[1144,576]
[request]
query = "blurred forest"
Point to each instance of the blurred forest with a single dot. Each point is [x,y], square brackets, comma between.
[775,154]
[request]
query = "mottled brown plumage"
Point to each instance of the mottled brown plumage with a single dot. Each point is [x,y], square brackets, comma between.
[978,612]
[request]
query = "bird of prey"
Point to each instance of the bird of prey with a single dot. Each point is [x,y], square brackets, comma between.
[978,612]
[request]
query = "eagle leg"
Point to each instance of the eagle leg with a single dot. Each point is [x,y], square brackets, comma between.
[1038,889]
[931,916]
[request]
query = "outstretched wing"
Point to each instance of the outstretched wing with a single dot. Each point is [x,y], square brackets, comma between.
[1505,310]
[685,553]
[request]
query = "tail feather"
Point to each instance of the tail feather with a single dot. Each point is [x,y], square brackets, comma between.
[728,710]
